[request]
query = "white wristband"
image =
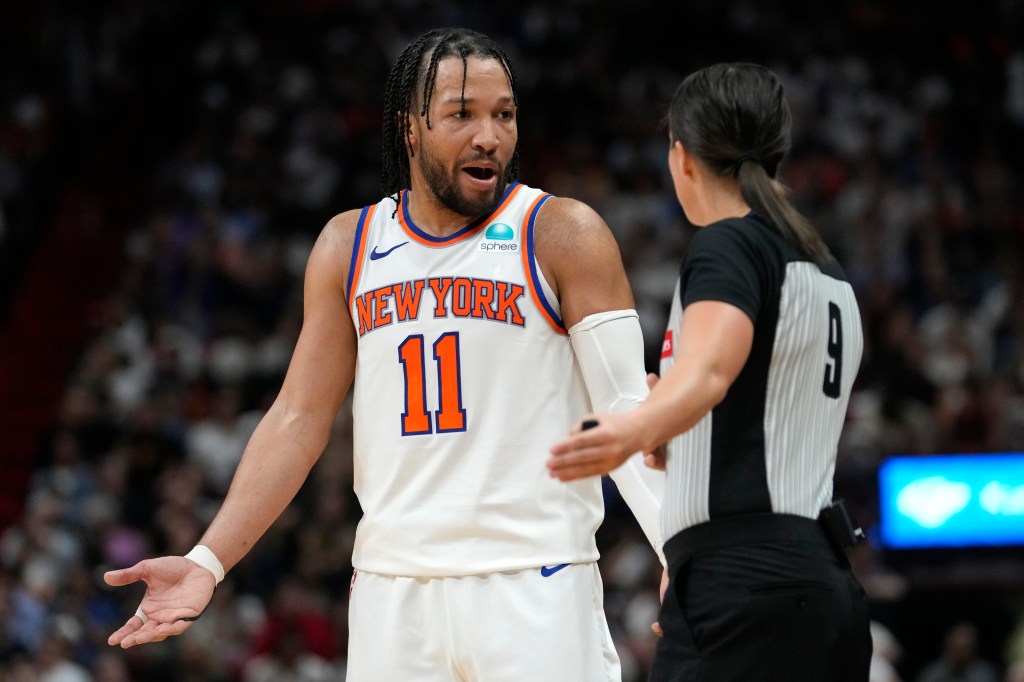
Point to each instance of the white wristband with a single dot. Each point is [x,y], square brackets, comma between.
[202,555]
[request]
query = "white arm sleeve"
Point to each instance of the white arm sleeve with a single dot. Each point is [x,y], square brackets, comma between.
[609,347]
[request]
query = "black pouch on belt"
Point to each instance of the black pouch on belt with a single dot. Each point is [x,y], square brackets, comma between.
[840,528]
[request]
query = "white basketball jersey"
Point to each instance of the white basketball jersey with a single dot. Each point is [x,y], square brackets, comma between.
[464,379]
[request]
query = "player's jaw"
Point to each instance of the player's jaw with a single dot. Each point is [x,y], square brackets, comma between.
[471,189]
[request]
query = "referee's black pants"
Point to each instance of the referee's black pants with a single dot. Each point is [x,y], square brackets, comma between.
[761,598]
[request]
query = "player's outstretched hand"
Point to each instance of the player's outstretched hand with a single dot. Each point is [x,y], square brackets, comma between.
[177,591]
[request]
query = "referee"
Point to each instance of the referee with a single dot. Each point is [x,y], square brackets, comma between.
[763,343]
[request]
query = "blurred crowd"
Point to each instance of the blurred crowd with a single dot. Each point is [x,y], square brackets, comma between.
[244,126]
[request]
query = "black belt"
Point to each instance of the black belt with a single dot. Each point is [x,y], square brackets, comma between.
[832,531]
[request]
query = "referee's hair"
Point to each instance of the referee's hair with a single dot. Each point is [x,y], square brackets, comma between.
[736,120]
[411,84]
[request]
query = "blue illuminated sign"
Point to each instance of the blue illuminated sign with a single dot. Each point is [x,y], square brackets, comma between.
[947,501]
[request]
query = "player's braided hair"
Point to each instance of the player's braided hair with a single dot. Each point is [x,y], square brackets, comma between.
[411,83]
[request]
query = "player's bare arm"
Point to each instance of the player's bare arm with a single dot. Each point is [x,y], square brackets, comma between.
[279,456]
[294,432]
[580,259]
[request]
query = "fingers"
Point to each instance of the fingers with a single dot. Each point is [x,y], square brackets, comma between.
[577,458]
[656,625]
[129,628]
[582,435]
[560,465]
[588,451]
[572,446]
[155,627]
[171,616]
[150,632]
[584,424]
[177,591]
[568,446]
[572,471]
[655,460]
[652,380]
[124,576]
[165,630]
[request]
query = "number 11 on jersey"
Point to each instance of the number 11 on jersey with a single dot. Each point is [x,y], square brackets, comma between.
[450,415]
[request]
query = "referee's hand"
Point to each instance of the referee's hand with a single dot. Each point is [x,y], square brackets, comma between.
[605,444]
[177,591]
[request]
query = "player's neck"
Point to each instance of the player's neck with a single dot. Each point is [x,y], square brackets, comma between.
[429,214]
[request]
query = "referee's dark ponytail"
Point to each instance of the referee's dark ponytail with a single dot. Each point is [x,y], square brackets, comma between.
[736,120]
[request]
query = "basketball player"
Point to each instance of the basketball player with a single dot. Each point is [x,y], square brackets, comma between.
[763,344]
[477,317]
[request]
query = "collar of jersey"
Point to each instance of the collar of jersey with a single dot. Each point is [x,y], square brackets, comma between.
[465,233]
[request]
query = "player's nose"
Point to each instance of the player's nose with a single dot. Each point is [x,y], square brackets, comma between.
[485,137]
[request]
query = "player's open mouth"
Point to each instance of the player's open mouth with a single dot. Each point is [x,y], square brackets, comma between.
[480,173]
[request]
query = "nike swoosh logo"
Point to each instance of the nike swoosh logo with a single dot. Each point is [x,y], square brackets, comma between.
[548,571]
[375,255]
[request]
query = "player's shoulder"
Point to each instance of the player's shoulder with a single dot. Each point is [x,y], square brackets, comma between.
[336,240]
[573,244]
[565,212]
[345,222]
[339,232]
[567,223]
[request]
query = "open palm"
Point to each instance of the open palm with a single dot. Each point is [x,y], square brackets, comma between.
[177,591]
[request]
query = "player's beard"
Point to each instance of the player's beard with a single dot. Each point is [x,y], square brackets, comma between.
[445,187]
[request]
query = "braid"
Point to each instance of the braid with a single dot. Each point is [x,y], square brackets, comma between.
[397,99]
[431,74]
[410,74]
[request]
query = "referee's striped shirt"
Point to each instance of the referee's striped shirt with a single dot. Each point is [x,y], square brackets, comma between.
[770,445]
